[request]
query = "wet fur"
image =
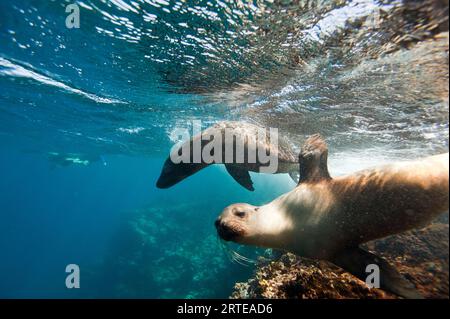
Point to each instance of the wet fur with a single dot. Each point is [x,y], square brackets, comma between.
[328,218]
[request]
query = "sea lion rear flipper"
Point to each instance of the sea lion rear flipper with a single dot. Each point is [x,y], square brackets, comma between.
[242,176]
[313,160]
[356,260]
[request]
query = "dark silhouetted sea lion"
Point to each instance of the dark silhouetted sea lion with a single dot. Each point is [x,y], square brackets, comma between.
[327,218]
[243,134]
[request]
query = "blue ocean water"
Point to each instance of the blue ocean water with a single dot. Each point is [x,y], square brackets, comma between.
[55,216]
[86,115]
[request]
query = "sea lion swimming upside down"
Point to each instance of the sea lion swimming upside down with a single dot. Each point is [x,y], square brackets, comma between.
[328,218]
[229,135]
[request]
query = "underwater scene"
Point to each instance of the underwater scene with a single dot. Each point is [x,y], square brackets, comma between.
[347,98]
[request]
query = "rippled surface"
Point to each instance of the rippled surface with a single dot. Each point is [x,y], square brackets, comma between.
[363,73]
[371,76]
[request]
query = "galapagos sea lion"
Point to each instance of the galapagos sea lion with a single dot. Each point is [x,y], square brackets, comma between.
[328,218]
[241,133]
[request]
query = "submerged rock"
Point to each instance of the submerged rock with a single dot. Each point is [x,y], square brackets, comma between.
[294,277]
[422,256]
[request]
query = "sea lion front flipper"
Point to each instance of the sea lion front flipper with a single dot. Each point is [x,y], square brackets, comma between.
[242,176]
[356,260]
[313,160]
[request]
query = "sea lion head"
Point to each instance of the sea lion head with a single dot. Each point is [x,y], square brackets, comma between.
[253,225]
[279,223]
[235,222]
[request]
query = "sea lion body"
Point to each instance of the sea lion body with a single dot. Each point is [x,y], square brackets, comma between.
[242,133]
[324,217]
[327,218]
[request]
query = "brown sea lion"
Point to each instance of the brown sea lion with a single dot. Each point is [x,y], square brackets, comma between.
[242,133]
[328,218]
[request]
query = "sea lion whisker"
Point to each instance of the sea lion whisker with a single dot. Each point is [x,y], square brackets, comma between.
[243,258]
[235,256]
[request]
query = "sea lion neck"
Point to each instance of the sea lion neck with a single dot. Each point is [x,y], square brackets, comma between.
[295,214]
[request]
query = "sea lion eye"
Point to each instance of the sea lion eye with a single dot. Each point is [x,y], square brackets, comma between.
[240,214]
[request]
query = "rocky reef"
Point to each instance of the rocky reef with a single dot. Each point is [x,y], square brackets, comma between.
[422,256]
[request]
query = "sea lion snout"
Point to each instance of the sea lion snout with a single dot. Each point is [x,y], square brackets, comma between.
[232,223]
[225,231]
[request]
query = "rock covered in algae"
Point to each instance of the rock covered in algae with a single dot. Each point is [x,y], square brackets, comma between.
[303,278]
[422,256]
